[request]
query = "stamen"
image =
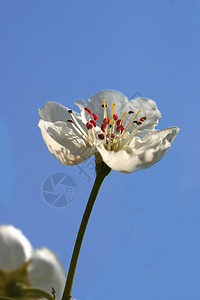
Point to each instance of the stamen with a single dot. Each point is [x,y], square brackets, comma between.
[118,122]
[132,121]
[101,136]
[104,105]
[129,138]
[122,118]
[109,137]
[129,116]
[139,123]
[112,136]
[112,112]
[77,124]
[88,110]
[89,125]
[115,117]
[143,119]
[120,128]
[93,132]
[93,123]
[106,120]
[84,135]
[103,127]
[95,116]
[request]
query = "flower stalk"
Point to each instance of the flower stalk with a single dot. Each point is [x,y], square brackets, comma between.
[33,292]
[102,170]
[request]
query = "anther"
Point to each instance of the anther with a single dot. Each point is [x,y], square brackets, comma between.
[143,119]
[88,110]
[103,127]
[106,120]
[93,123]
[120,128]
[131,112]
[88,125]
[103,105]
[115,117]
[118,122]
[70,121]
[101,136]
[95,116]
[139,123]
[70,111]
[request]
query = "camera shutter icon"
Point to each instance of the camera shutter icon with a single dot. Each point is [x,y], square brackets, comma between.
[59,189]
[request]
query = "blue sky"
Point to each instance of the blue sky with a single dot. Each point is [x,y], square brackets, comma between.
[142,241]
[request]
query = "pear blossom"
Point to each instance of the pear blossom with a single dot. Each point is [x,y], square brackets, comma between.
[18,261]
[118,131]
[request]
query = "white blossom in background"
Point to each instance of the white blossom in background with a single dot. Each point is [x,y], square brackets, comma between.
[116,130]
[41,268]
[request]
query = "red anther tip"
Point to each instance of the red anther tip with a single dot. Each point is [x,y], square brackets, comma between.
[115,117]
[120,128]
[93,123]
[118,122]
[103,127]
[143,119]
[106,120]
[95,116]
[101,136]
[112,136]
[88,110]
[89,125]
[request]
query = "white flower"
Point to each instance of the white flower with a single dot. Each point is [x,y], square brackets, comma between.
[119,131]
[41,268]
[15,248]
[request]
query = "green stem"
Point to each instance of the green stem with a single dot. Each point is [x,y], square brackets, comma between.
[34,291]
[102,170]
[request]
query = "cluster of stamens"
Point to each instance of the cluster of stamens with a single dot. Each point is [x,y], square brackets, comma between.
[113,129]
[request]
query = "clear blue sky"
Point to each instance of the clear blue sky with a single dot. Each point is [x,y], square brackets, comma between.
[143,239]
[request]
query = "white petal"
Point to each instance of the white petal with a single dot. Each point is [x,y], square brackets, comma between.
[53,111]
[95,103]
[64,144]
[141,153]
[148,109]
[45,271]
[82,104]
[15,248]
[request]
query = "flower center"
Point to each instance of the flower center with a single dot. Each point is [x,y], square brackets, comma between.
[114,132]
